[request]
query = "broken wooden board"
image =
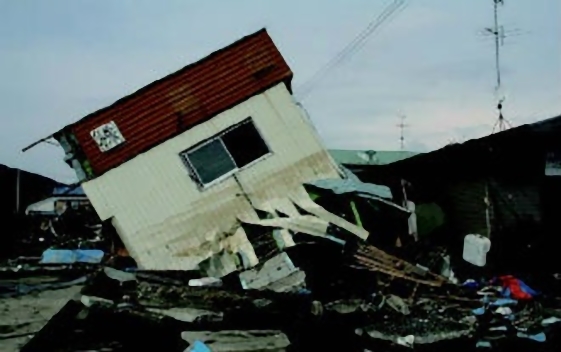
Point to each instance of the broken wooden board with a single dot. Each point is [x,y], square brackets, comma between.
[309,206]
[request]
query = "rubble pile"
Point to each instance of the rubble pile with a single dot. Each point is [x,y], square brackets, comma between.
[320,283]
[318,275]
[234,233]
[388,303]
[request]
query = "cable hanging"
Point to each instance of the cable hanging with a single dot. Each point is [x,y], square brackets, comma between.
[352,48]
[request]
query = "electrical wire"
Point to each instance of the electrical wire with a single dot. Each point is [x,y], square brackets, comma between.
[351,48]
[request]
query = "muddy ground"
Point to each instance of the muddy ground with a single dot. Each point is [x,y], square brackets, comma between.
[21,317]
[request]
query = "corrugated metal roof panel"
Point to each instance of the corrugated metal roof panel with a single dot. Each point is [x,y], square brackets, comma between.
[352,184]
[185,98]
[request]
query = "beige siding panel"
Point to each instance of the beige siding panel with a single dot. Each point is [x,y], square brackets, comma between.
[162,215]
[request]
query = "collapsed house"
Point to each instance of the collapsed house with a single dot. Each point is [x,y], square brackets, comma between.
[504,186]
[215,168]
[177,164]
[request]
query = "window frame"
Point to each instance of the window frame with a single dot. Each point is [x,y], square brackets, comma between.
[193,171]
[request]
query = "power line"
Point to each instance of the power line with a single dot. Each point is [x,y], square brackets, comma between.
[351,48]
[354,46]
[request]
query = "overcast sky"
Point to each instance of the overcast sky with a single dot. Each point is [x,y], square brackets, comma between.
[62,59]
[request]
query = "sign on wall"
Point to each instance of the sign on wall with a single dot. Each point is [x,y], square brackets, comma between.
[107,136]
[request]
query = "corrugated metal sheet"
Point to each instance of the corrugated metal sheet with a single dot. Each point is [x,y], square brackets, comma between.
[352,184]
[511,203]
[165,220]
[514,202]
[185,98]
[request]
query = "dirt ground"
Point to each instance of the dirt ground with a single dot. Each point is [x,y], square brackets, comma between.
[21,317]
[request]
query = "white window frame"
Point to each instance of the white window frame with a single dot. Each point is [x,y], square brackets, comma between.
[185,157]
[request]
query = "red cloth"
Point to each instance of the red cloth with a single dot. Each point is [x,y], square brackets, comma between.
[513,284]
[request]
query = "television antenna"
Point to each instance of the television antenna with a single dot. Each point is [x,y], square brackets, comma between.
[499,34]
[402,125]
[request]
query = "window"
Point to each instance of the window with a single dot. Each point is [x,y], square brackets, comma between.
[228,151]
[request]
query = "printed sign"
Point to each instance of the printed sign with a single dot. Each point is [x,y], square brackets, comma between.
[107,136]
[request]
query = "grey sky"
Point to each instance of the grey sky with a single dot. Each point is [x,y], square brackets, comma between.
[62,59]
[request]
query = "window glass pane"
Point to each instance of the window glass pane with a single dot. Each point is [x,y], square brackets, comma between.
[211,161]
[245,144]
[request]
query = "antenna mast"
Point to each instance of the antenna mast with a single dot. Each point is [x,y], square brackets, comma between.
[402,126]
[498,33]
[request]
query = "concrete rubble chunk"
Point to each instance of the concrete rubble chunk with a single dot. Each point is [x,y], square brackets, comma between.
[290,283]
[90,301]
[277,268]
[344,306]
[398,304]
[189,315]
[119,275]
[205,281]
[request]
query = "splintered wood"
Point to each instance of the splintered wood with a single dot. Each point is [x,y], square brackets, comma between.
[374,259]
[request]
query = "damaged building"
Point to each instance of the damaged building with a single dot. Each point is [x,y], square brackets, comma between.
[61,199]
[248,236]
[504,186]
[176,165]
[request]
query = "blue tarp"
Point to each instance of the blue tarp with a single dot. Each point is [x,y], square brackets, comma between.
[71,256]
[69,191]
[198,346]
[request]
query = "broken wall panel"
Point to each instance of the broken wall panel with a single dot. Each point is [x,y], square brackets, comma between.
[309,206]
[276,268]
[160,210]
[262,240]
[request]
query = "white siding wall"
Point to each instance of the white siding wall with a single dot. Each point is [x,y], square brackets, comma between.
[164,218]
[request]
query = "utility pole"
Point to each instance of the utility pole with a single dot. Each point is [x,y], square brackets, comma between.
[402,126]
[17,190]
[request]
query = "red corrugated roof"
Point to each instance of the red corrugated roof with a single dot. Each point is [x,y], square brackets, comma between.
[185,98]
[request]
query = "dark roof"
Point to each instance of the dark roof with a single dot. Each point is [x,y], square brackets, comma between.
[32,188]
[181,100]
[517,150]
[360,157]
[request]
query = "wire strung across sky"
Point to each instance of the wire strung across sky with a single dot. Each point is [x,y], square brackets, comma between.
[352,48]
